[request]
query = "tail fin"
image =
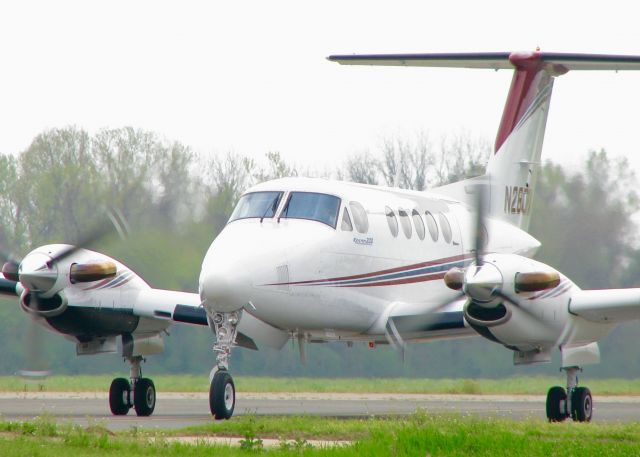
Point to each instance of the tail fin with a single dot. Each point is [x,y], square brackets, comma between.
[513,167]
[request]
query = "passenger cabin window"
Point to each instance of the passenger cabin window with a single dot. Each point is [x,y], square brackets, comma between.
[417,221]
[312,206]
[346,221]
[256,204]
[446,227]
[360,218]
[405,222]
[431,225]
[392,221]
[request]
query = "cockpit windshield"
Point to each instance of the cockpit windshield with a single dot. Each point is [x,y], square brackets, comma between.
[310,205]
[256,204]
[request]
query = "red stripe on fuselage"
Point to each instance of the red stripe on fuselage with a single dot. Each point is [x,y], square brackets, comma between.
[456,258]
[396,282]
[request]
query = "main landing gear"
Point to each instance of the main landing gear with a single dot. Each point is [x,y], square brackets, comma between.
[140,393]
[575,402]
[222,393]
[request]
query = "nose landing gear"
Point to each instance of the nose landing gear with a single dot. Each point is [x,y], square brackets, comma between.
[575,402]
[140,393]
[222,392]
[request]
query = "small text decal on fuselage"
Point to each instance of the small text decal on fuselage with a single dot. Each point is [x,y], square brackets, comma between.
[517,200]
[363,241]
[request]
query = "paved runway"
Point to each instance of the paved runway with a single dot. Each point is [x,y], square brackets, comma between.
[182,410]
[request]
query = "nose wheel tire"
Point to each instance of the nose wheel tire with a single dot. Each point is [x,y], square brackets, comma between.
[222,395]
[581,405]
[119,396]
[144,397]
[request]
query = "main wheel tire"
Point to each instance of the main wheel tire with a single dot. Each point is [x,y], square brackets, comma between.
[581,405]
[222,395]
[144,397]
[556,404]
[119,396]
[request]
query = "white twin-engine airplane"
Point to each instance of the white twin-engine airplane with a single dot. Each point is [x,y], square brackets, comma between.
[319,260]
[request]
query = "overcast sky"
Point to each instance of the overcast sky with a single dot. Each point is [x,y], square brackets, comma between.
[251,76]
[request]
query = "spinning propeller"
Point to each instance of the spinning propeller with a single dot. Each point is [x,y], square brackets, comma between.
[39,278]
[484,282]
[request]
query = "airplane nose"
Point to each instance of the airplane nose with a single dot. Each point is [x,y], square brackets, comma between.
[223,291]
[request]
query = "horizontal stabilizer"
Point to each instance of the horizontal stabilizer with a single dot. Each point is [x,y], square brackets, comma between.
[493,60]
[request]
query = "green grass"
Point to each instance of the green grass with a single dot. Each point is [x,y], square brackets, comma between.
[190,383]
[417,435]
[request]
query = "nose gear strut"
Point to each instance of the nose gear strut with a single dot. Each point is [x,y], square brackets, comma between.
[222,393]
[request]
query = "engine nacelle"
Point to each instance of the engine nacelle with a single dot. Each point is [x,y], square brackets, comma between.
[43,307]
[538,327]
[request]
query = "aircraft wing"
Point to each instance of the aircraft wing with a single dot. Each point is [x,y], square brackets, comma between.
[423,321]
[609,305]
[183,307]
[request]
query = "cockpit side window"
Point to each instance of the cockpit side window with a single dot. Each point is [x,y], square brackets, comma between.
[392,221]
[346,221]
[312,206]
[359,217]
[257,204]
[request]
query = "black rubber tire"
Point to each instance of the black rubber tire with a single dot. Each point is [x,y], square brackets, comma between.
[556,396]
[119,397]
[144,397]
[581,405]
[222,395]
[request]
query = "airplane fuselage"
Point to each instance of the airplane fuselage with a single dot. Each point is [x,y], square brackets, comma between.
[337,269]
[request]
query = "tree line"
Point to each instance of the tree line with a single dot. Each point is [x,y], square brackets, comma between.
[176,202]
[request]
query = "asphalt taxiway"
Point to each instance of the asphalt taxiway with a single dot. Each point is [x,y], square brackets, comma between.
[177,410]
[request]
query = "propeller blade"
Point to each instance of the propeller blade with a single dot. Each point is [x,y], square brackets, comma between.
[517,304]
[395,337]
[115,220]
[8,257]
[35,363]
[480,230]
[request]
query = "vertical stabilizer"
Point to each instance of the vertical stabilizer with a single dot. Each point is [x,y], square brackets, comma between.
[513,168]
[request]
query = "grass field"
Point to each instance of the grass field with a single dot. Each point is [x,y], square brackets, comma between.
[418,435]
[188,383]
